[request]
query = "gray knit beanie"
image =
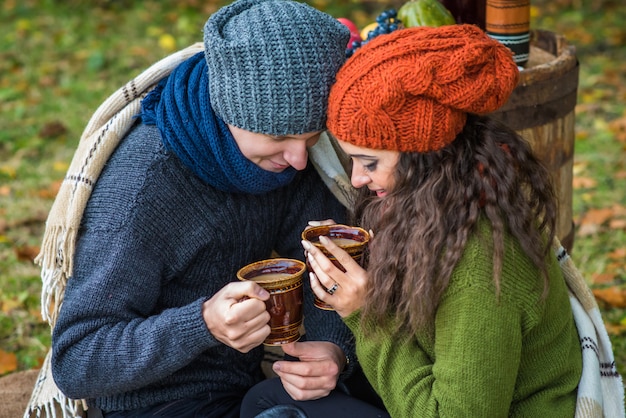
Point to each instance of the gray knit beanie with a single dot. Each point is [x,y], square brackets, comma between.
[271,64]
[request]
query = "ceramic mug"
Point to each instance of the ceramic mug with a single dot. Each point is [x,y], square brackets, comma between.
[282,278]
[351,239]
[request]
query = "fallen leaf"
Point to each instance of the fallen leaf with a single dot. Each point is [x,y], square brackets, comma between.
[26,252]
[597,216]
[617,254]
[585,230]
[8,362]
[618,127]
[61,166]
[51,191]
[138,51]
[615,267]
[10,304]
[580,136]
[36,313]
[584,183]
[619,210]
[167,42]
[615,329]
[617,224]
[579,167]
[52,130]
[612,296]
[603,278]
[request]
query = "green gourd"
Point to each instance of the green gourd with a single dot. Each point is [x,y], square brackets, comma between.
[425,13]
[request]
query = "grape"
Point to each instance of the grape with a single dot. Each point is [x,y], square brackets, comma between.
[387,22]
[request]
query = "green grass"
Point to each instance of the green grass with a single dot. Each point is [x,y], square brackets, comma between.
[60,59]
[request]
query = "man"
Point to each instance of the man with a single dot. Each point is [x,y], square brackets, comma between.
[212,176]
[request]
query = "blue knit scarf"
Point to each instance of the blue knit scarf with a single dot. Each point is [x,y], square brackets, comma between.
[181,109]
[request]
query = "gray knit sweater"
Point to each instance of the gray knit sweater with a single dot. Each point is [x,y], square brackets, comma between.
[155,243]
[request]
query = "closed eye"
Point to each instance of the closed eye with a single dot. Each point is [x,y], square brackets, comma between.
[368,162]
[371,166]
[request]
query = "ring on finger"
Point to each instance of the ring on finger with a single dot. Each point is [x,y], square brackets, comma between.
[333,289]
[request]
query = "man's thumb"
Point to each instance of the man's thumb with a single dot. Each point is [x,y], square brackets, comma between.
[291,348]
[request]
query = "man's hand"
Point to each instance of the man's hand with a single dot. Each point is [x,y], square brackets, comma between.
[236,315]
[317,372]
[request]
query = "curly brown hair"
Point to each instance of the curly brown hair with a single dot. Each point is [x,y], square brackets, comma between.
[422,226]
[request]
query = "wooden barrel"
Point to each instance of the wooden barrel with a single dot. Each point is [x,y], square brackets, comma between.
[541,109]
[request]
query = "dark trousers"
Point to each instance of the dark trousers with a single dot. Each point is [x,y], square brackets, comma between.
[269,399]
[211,406]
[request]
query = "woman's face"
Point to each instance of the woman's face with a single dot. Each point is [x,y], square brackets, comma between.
[372,168]
[275,153]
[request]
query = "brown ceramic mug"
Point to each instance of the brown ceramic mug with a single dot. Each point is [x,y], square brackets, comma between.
[351,239]
[282,278]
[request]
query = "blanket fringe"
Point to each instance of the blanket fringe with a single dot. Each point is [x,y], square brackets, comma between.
[55,270]
[56,405]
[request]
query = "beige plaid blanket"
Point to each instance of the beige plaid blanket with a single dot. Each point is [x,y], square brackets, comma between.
[600,390]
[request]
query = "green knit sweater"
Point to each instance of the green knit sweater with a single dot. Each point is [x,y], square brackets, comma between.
[514,356]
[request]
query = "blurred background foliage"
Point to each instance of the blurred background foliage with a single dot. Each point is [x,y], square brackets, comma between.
[60,59]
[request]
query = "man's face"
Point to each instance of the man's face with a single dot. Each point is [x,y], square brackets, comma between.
[275,153]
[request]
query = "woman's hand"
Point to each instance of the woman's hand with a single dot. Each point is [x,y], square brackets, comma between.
[344,291]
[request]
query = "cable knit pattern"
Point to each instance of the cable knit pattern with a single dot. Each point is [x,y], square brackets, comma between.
[181,240]
[411,90]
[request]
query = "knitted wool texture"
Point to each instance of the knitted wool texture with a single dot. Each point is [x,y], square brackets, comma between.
[271,64]
[411,90]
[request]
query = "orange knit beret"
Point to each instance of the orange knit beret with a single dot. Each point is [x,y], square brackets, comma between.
[411,90]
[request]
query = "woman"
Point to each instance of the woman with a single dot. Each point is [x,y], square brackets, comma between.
[462,309]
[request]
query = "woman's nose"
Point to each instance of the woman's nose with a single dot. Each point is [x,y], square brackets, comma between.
[359,178]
